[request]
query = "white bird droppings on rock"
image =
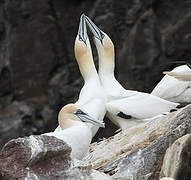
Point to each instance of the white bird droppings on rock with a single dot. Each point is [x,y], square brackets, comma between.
[36,146]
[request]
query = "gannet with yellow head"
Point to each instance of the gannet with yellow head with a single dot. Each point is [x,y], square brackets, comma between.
[92,88]
[83,53]
[91,96]
[75,131]
[175,86]
[125,108]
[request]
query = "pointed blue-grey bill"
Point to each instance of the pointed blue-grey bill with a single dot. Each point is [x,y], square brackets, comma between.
[82,31]
[86,118]
[95,30]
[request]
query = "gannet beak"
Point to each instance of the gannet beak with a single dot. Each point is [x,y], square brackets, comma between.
[95,30]
[86,118]
[169,73]
[183,76]
[82,31]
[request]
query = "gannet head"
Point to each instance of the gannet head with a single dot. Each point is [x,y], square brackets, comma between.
[82,48]
[83,52]
[71,115]
[102,41]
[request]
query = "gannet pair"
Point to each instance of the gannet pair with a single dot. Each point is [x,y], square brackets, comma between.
[124,107]
[79,122]
[175,86]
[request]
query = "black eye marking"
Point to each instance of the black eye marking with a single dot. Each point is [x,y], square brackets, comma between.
[79,111]
[172,110]
[125,116]
[81,39]
[102,35]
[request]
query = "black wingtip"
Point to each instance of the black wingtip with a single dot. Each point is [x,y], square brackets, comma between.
[188,64]
[124,116]
[181,105]
[173,110]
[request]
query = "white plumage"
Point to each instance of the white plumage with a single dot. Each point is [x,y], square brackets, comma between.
[173,89]
[77,137]
[140,106]
[125,108]
[92,88]
[79,134]
[75,133]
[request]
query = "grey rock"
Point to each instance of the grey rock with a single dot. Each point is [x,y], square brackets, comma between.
[141,54]
[34,156]
[42,157]
[28,117]
[177,159]
[28,21]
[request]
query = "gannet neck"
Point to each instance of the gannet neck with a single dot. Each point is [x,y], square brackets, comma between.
[106,66]
[107,78]
[106,55]
[112,87]
[77,137]
[83,54]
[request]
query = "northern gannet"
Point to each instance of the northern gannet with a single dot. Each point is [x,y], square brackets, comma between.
[175,86]
[75,130]
[83,53]
[92,88]
[125,108]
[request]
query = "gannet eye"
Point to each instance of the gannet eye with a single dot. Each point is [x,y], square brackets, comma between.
[78,112]
[102,35]
[82,40]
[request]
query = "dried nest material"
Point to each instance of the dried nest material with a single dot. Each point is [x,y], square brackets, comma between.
[129,141]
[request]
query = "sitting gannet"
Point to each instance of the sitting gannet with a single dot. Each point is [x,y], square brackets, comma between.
[175,86]
[92,88]
[125,108]
[74,130]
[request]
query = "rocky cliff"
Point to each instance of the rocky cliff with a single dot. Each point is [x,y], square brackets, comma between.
[38,72]
[159,148]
